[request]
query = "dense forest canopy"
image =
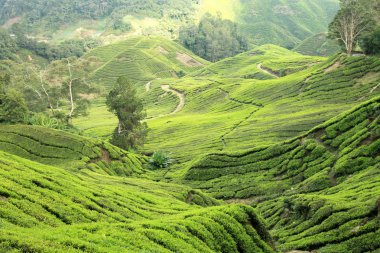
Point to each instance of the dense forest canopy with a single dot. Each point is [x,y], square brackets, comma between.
[284,23]
[54,13]
[214,38]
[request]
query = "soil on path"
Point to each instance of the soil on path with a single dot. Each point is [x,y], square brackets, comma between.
[180,95]
[266,70]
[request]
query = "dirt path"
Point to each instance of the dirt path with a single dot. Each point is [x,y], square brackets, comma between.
[179,107]
[260,67]
[147,86]
[180,95]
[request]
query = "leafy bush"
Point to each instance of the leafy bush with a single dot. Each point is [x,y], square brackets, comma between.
[41,119]
[160,160]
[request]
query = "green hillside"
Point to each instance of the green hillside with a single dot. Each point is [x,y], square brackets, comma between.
[189,126]
[45,208]
[236,114]
[319,191]
[143,59]
[285,22]
[53,147]
[256,63]
[317,44]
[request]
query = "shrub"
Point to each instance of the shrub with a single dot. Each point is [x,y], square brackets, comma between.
[160,160]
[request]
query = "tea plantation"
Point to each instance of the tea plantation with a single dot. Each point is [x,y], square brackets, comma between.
[273,151]
[317,191]
[62,208]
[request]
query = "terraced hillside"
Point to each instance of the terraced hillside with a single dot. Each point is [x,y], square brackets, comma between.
[285,23]
[319,191]
[46,208]
[143,59]
[264,62]
[238,114]
[223,111]
[318,44]
[52,147]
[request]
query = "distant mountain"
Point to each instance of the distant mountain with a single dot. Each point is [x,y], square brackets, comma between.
[284,23]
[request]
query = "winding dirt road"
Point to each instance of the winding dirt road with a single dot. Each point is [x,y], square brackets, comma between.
[167,88]
[260,67]
[180,95]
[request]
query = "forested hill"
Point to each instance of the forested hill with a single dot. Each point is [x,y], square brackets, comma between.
[55,13]
[284,23]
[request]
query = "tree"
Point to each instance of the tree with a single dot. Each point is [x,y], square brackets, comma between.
[351,21]
[8,46]
[124,103]
[214,38]
[13,108]
[68,89]
[370,42]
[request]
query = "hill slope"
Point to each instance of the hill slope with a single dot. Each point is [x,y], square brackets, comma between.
[238,114]
[51,209]
[318,44]
[319,191]
[262,62]
[284,23]
[53,147]
[143,59]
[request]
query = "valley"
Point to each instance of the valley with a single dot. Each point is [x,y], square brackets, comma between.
[115,136]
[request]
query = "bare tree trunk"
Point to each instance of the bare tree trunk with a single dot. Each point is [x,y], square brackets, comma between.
[71,99]
[119,128]
[350,25]
[72,105]
[40,75]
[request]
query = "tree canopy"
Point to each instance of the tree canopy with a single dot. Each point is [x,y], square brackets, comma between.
[350,23]
[52,14]
[214,38]
[122,100]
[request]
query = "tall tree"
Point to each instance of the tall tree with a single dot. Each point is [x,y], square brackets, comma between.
[351,21]
[124,103]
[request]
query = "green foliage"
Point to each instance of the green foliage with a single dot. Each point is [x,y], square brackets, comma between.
[327,180]
[8,46]
[13,108]
[213,39]
[42,119]
[69,151]
[352,20]
[39,15]
[47,208]
[142,59]
[370,42]
[318,44]
[286,22]
[124,103]
[160,160]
